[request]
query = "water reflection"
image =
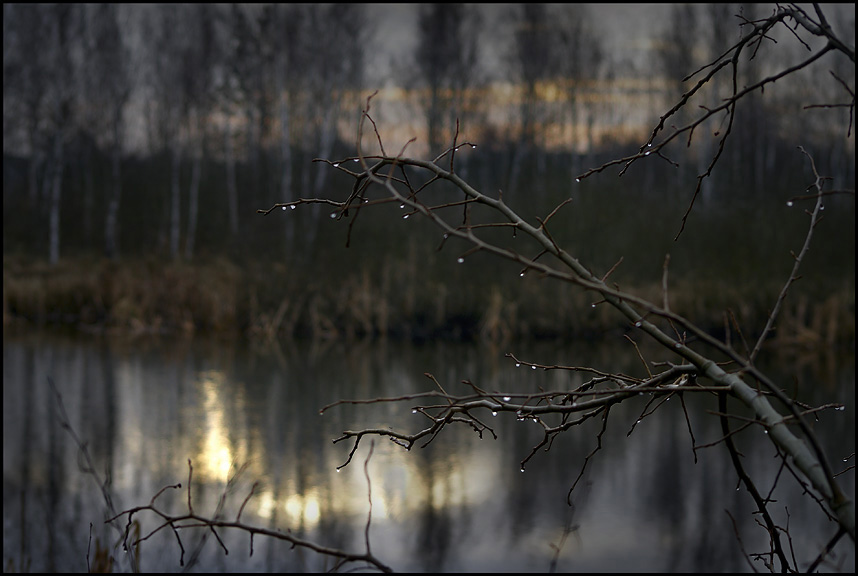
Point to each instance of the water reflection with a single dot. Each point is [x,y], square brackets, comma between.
[146,408]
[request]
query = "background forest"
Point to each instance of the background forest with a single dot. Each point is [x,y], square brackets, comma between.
[139,141]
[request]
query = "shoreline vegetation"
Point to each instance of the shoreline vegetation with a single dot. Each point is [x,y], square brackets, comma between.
[261,300]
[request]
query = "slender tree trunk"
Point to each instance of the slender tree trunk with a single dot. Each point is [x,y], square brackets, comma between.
[36,160]
[56,196]
[88,193]
[194,190]
[326,142]
[231,187]
[285,152]
[111,241]
[193,207]
[174,205]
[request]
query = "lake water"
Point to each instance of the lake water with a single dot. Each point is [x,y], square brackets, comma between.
[145,407]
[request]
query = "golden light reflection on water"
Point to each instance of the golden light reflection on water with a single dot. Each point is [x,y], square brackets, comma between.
[304,508]
[403,486]
[401,483]
[217,453]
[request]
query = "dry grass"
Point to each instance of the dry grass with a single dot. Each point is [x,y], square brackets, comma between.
[271,300]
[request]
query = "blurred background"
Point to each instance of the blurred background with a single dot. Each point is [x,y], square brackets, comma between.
[139,141]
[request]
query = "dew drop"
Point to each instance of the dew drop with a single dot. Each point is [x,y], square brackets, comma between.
[405,216]
[494,413]
[333,214]
[414,411]
[401,206]
[840,408]
[517,364]
[846,459]
[522,275]
[356,160]
[522,468]
[292,206]
[638,422]
[638,324]
[283,207]
[765,431]
[473,146]
[678,345]
[737,488]
[460,260]
[592,305]
[507,398]
[821,207]
[533,367]
[336,165]
[577,180]
[647,153]
[789,204]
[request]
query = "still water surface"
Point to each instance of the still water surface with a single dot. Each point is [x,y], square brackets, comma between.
[461,504]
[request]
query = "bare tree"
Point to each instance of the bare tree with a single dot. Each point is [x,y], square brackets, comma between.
[695,362]
[25,80]
[677,54]
[38,72]
[108,88]
[536,60]
[446,69]
[60,18]
[579,64]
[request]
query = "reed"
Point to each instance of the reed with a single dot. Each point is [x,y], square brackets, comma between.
[391,298]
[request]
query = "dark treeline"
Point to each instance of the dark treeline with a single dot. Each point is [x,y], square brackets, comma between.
[159,130]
